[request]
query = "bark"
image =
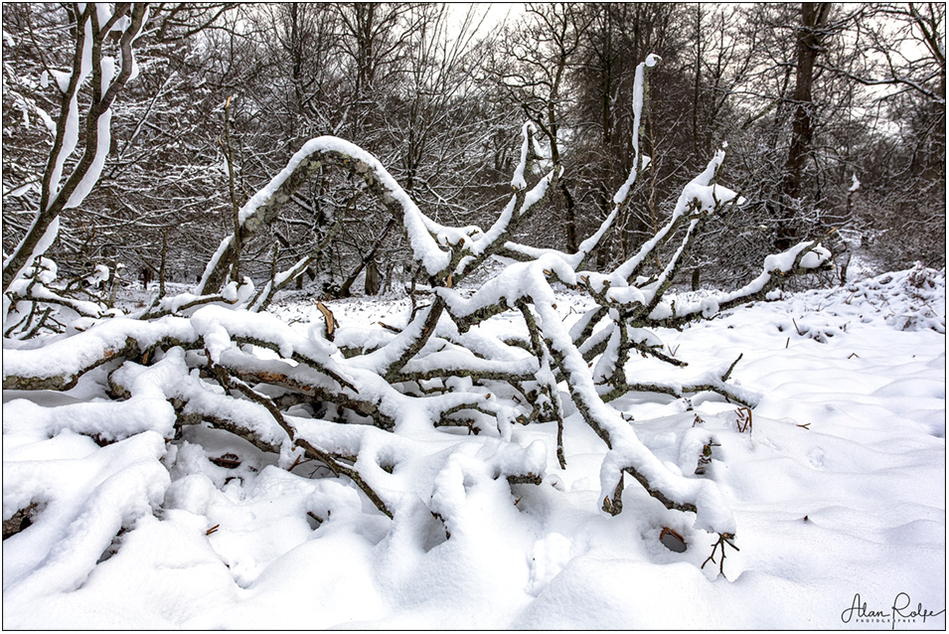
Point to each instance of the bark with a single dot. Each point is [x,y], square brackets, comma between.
[51,206]
[344,290]
[67,380]
[810,40]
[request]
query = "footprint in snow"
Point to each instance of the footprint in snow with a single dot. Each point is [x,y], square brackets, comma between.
[816,456]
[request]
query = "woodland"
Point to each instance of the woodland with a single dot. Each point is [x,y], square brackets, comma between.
[548,190]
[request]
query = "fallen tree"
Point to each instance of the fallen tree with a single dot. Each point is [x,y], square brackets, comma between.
[380,409]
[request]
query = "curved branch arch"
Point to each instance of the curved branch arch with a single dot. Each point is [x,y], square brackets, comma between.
[263,208]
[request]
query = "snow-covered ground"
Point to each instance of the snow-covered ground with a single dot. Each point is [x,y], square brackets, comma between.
[837,488]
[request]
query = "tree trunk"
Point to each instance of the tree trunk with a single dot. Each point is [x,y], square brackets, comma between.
[810,37]
[53,202]
[372,278]
[368,260]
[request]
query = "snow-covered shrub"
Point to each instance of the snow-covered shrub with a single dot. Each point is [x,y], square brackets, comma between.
[911,299]
[412,421]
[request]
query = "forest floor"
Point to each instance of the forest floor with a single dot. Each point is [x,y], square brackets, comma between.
[837,486]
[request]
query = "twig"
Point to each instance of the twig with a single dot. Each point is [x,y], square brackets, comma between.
[732,367]
[796,327]
[744,419]
[723,538]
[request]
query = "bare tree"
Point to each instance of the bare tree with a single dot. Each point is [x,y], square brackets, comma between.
[366,404]
[811,37]
[544,46]
[91,29]
[383,384]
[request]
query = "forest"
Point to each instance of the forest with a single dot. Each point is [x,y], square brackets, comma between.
[224,95]
[422,308]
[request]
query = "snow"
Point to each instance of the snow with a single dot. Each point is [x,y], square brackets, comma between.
[88,497]
[44,243]
[784,261]
[217,322]
[638,84]
[814,256]
[71,131]
[838,489]
[419,227]
[103,140]
[699,197]
[70,138]
[214,259]
[67,356]
[426,236]
[222,467]
[518,181]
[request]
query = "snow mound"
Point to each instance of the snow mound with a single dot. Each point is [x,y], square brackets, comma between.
[914,299]
[840,476]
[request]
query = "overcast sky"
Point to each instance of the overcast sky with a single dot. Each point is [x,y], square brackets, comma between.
[496,12]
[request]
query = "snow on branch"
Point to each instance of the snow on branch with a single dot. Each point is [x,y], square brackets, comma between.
[801,259]
[95,22]
[426,237]
[408,419]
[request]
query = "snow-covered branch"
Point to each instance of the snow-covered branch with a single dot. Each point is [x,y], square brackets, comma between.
[408,416]
[88,60]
